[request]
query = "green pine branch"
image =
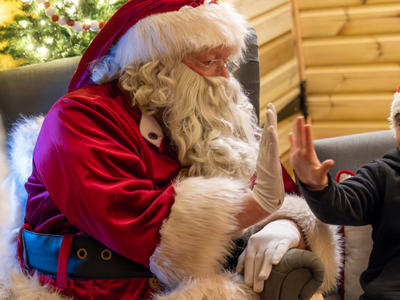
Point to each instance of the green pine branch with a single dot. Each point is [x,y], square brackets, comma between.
[34,37]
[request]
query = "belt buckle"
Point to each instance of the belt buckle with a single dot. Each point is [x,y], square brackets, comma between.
[155,284]
[184,172]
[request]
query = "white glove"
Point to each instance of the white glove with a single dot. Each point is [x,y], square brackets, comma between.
[269,191]
[264,249]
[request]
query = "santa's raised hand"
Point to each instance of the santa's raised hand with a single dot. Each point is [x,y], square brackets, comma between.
[304,160]
[269,191]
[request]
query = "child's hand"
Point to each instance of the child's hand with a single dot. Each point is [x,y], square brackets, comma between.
[304,160]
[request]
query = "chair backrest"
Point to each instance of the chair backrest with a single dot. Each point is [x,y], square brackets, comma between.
[32,90]
[352,151]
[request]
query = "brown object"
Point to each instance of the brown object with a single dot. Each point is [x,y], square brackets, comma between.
[70,23]
[55,18]
[46,4]
[86,27]
[101,24]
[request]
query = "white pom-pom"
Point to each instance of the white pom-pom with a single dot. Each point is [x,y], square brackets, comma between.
[78,26]
[94,25]
[62,21]
[40,1]
[50,11]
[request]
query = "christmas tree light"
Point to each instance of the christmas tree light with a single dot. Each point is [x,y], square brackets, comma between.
[55,29]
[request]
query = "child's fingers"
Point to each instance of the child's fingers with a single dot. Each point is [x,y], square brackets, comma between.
[303,133]
[308,139]
[325,166]
[299,131]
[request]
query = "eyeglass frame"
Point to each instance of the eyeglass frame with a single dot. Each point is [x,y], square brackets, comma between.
[226,64]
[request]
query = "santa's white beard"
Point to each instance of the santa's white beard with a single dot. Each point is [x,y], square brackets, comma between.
[212,124]
[209,119]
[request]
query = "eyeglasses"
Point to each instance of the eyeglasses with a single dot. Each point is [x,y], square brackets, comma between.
[215,66]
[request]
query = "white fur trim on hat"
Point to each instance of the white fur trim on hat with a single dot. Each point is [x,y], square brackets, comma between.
[394,110]
[172,35]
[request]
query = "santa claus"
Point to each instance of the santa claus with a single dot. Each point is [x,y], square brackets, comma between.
[149,160]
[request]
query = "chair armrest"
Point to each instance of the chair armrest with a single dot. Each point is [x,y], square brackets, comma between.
[298,276]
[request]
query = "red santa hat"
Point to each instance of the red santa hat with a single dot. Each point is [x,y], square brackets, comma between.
[395,109]
[146,30]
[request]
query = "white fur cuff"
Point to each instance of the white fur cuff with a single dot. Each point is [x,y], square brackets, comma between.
[197,236]
[171,35]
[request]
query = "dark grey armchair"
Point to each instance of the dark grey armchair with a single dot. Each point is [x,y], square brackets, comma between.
[32,90]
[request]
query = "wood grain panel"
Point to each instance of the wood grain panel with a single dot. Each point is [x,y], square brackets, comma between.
[272,24]
[280,103]
[356,20]
[253,8]
[352,50]
[279,82]
[322,130]
[354,107]
[312,4]
[276,52]
[284,128]
[353,79]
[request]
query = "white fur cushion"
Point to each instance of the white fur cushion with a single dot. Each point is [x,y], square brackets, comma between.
[358,247]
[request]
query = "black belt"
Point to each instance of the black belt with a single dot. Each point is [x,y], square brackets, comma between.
[88,260]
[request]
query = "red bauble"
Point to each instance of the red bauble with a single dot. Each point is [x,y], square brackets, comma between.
[55,18]
[70,23]
[101,24]
[86,27]
[46,4]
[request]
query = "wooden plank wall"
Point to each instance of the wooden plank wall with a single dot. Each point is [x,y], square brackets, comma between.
[279,70]
[352,54]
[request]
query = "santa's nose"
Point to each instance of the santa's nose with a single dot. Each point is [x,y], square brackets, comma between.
[224,73]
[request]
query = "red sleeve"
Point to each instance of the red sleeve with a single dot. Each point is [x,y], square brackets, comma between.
[92,159]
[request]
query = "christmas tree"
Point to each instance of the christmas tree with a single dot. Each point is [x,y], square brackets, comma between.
[56,29]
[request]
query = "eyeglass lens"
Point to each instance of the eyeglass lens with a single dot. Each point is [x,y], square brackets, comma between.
[232,67]
[216,66]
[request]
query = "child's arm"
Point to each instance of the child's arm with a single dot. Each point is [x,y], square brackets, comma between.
[304,160]
[351,203]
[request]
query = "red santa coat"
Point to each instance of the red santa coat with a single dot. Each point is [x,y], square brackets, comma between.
[96,172]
